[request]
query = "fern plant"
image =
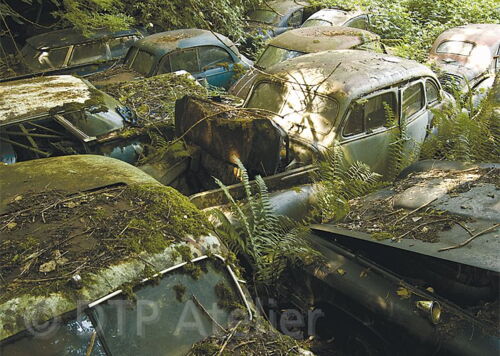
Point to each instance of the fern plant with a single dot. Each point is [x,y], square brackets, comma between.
[270,242]
[463,134]
[339,181]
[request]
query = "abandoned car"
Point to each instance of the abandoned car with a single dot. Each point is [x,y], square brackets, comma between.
[412,269]
[359,99]
[276,17]
[338,17]
[62,115]
[467,57]
[68,51]
[74,289]
[208,56]
[300,41]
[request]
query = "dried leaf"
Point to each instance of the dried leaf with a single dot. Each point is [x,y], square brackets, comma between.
[341,271]
[18,198]
[403,293]
[11,225]
[48,267]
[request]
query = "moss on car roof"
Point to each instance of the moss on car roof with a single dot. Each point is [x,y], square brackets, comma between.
[35,97]
[108,235]
[162,43]
[323,38]
[346,74]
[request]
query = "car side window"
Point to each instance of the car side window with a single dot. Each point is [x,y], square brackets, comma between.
[212,56]
[355,121]
[358,22]
[54,57]
[497,61]
[185,60]
[295,19]
[413,100]
[88,53]
[432,91]
[370,114]
[119,46]
[164,66]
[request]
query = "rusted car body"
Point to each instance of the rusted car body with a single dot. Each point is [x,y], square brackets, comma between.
[276,17]
[413,268]
[301,41]
[207,55]
[467,56]
[348,97]
[62,115]
[80,314]
[338,17]
[68,51]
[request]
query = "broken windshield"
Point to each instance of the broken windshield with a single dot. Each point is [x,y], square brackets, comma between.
[455,47]
[273,55]
[168,317]
[162,318]
[264,16]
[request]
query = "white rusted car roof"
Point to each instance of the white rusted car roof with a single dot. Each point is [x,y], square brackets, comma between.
[36,96]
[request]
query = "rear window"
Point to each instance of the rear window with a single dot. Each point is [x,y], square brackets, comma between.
[185,60]
[316,22]
[298,107]
[273,55]
[264,16]
[455,47]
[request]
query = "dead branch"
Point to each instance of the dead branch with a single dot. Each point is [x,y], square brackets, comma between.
[462,244]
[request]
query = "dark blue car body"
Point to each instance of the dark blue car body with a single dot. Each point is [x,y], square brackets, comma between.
[205,54]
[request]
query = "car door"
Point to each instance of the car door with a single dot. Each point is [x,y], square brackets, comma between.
[415,116]
[88,58]
[217,66]
[368,128]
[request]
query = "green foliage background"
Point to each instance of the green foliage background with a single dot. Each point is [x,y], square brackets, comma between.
[409,25]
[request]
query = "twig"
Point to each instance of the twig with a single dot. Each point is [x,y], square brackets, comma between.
[462,225]
[385,215]
[243,344]
[233,330]
[199,305]
[419,226]
[91,344]
[491,228]
[414,211]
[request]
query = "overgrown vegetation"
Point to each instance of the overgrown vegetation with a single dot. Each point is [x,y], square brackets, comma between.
[269,242]
[47,237]
[463,133]
[340,181]
[411,26]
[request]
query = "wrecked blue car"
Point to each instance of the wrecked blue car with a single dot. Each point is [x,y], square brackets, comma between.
[68,51]
[208,56]
[62,115]
[275,17]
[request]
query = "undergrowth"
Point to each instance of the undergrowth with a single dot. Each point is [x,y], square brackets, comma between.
[270,242]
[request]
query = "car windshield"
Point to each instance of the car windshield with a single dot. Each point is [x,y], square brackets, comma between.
[455,47]
[96,121]
[264,16]
[168,317]
[30,56]
[316,22]
[273,55]
[142,62]
[297,107]
[162,318]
